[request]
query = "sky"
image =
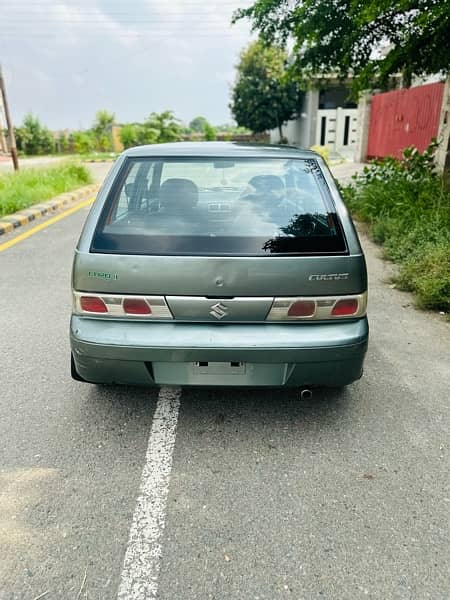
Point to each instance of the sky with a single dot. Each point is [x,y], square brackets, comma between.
[63,60]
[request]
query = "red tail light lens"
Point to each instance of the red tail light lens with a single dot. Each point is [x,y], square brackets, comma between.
[136,306]
[93,304]
[117,306]
[345,308]
[318,308]
[302,308]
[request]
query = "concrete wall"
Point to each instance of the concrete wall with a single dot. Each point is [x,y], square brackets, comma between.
[302,130]
[308,119]
[362,134]
[290,132]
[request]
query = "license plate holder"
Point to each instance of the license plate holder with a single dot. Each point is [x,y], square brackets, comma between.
[219,368]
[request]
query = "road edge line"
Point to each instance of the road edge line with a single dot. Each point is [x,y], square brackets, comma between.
[26,234]
[141,565]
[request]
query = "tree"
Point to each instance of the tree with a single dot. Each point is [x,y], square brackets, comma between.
[104,120]
[263,96]
[167,126]
[63,142]
[129,135]
[83,142]
[157,128]
[209,132]
[138,134]
[369,39]
[198,124]
[33,138]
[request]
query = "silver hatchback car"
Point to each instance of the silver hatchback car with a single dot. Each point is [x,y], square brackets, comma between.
[219,264]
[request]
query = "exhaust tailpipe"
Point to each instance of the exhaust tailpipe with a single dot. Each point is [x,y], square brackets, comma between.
[306,394]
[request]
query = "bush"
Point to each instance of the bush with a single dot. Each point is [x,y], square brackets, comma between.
[210,133]
[407,206]
[427,273]
[324,152]
[33,138]
[129,135]
[83,142]
[29,186]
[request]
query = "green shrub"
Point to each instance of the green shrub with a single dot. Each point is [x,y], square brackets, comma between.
[407,206]
[33,138]
[427,273]
[29,186]
[324,152]
[83,142]
[209,133]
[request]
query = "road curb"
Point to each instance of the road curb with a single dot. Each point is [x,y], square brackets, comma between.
[10,222]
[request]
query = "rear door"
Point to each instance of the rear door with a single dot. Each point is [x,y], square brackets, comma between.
[220,238]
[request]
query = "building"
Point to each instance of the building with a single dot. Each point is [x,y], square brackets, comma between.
[327,117]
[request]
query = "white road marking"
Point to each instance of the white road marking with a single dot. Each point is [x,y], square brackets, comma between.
[142,559]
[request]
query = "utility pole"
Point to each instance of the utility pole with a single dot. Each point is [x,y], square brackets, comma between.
[12,139]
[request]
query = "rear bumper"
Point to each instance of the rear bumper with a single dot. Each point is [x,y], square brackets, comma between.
[162,353]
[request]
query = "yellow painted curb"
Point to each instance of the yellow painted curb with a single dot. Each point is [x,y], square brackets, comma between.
[5,227]
[25,216]
[55,219]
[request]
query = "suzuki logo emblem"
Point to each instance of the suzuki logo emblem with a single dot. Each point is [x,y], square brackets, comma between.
[219,310]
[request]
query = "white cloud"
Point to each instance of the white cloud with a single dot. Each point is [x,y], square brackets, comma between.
[131,58]
[77,23]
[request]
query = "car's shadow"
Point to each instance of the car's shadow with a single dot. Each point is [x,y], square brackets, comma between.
[256,407]
[262,407]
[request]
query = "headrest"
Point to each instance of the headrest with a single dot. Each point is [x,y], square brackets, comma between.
[267,183]
[178,194]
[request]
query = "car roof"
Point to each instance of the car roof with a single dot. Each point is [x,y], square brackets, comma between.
[219,149]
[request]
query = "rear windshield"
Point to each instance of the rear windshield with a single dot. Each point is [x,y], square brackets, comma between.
[219,206]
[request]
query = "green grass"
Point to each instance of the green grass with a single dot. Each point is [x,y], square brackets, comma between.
[30,186]
[407,207]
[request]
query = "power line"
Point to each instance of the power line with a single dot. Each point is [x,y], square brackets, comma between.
[159,34]
[92,9]
[88,4]
[105,19]
[128,31]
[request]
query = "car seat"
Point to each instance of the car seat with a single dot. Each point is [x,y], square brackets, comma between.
[178,196]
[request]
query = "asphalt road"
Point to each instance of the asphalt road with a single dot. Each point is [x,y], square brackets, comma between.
[269,497]
[26,163]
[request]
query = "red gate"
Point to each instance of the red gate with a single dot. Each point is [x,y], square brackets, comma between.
[407,117]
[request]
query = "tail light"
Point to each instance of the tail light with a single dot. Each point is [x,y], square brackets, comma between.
[302,308]
[345,308]
[116,306]
[92,304]
[136,306]
[283,309]
[318,308]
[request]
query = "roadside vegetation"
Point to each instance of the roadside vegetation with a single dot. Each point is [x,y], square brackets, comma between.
[407,207]
[29,186]
[375,41]
[264,97]
[102,141]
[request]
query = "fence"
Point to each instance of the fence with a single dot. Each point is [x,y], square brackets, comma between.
[402,118]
